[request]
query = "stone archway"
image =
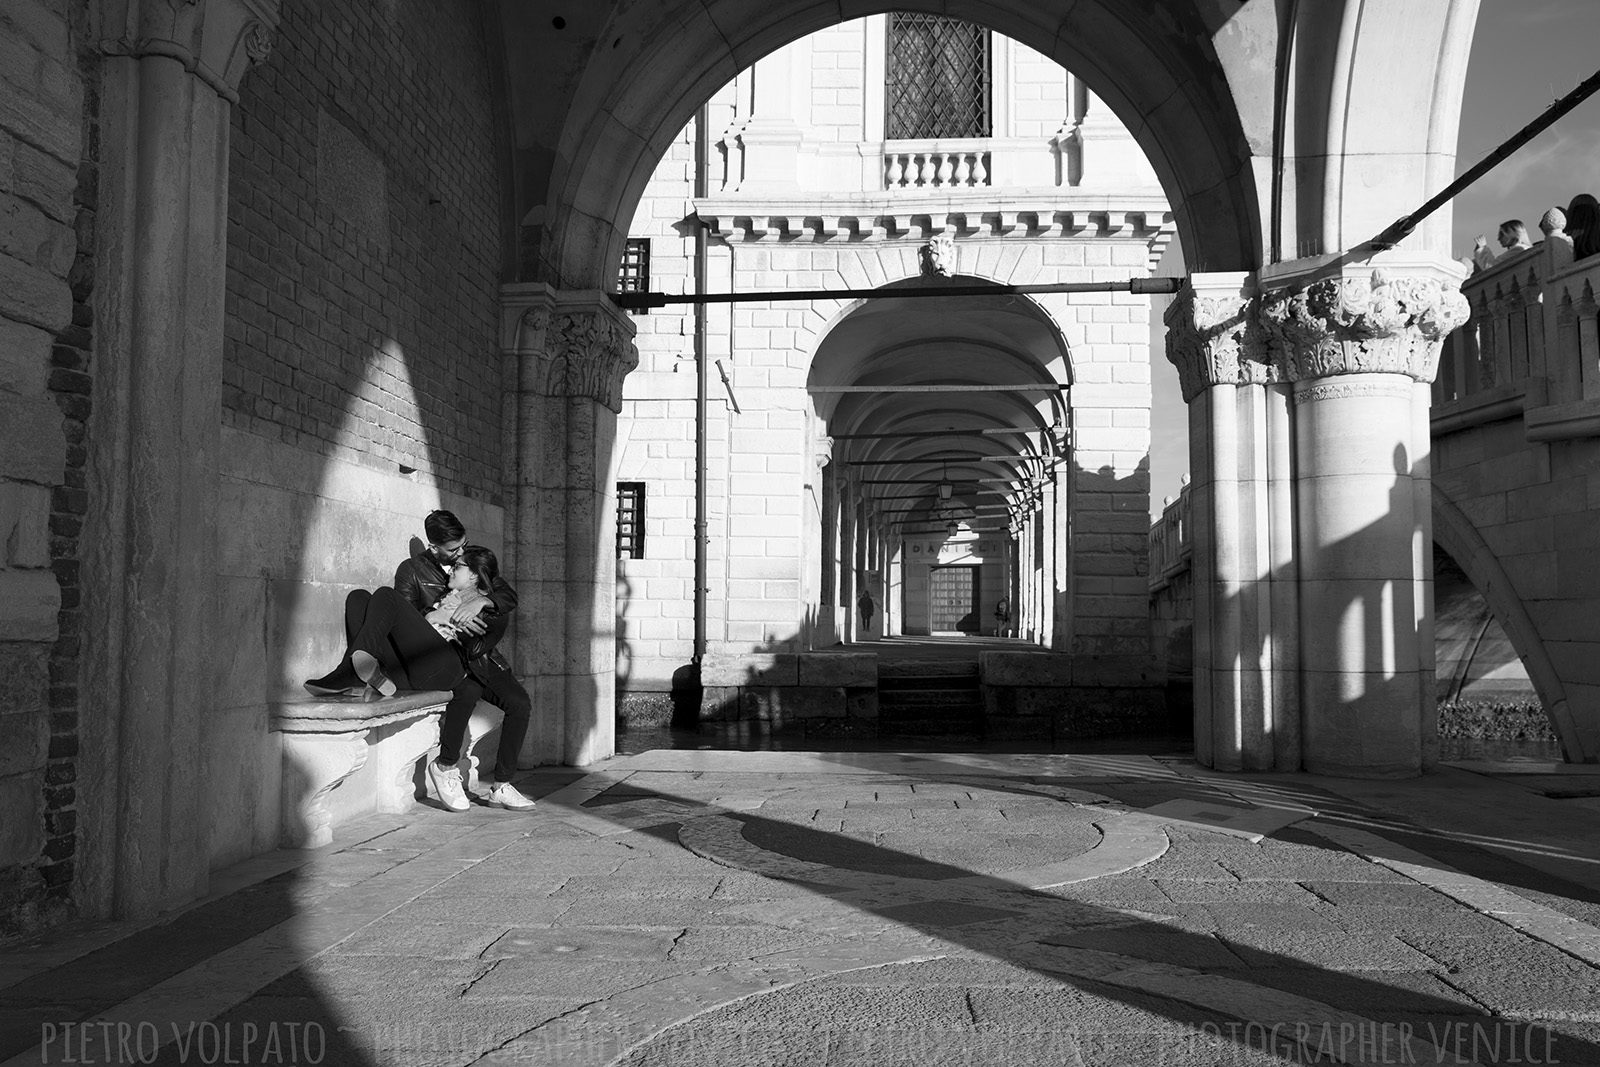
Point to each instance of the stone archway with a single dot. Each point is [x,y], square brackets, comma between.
[1285,138]
[889,452]
[1456,534]
[646,79]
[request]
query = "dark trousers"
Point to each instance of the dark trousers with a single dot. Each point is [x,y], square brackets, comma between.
[492,682]
[406,645]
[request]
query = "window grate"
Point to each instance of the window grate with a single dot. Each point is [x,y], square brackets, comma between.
[630,520]
[937,78]
[634,274]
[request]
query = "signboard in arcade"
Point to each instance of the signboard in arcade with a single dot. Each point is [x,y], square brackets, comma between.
[952,551]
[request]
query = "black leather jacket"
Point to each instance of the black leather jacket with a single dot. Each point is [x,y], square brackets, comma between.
[422,582]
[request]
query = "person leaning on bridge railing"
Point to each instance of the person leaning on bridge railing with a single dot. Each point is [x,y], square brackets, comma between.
[1512,237]
[1583,225]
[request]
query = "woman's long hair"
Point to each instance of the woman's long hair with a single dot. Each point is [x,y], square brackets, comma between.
[483,564]
[1583,225]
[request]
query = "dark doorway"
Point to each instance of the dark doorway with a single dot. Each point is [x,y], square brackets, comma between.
[953,599]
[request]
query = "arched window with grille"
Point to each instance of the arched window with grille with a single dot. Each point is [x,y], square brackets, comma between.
[937,78]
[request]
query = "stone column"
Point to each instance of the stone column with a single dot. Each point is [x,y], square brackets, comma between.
[1052,589]
[1246,623]
[1361,348]
[572,350]
[170,79]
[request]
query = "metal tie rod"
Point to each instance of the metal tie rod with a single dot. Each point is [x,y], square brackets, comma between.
[1139,286]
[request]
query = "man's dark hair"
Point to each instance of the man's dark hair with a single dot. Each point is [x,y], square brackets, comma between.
[482,563]
[443,527]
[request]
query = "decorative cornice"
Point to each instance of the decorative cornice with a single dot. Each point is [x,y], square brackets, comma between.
[885,220]
[1385,324]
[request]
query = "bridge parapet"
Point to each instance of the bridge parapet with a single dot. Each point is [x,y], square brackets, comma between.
[1170,546]
[1531,346]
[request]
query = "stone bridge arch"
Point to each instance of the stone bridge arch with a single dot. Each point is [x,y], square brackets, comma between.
[1455,532]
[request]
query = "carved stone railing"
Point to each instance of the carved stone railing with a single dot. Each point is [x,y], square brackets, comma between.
[933,164]
[1170,543]
[1531,346]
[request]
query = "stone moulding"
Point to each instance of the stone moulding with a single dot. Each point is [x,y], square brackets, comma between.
[883,222]
[1388,324]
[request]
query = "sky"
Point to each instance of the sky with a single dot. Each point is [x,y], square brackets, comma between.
[1525,55]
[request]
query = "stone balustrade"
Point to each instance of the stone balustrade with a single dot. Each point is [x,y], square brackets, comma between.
[1531,346]
[1170,544]
[913,164]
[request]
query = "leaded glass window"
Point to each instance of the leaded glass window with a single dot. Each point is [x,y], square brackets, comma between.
[937,78]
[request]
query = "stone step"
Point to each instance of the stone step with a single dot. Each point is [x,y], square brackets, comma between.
[929,698]
[926,669]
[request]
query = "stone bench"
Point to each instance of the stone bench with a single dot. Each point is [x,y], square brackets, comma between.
[372,749]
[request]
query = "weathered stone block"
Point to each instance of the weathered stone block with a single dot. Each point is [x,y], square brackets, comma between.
[30,435]
[242,642]
[31,602]
[1108,712]
[24,675]
[22,830]
[719,703]
[24,741]
[24,358]
[754,668]
[1025,668]
[761,704]
[812,702]
[1114,670]
[1029,728]
[838,668]
[24,525]
[29,294]
[861,703]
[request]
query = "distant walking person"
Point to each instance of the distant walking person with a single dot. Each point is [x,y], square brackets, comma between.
[1002,617]
[865,606]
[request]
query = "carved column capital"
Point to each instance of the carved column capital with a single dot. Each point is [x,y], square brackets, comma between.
[567,343]
[821,450]
[1385,323]
[216,40]
[1213,338]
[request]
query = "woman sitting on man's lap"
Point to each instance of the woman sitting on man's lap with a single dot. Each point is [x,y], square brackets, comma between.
[392,646]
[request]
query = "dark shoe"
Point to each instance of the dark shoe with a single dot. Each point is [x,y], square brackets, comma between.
[349,693]
[341,681]
[366,665]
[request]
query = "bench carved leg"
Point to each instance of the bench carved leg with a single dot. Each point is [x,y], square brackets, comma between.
[402,752]
[313,766]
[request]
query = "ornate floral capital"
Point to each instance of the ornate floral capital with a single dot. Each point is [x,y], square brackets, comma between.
[1214,341]
[1352,325]
[597,353]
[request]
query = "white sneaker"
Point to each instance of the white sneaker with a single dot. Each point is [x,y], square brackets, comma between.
[446,782]
[505,795]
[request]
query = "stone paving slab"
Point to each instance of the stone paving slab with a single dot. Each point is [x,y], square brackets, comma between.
[696,904]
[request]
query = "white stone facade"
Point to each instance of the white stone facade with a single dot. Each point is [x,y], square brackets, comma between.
[797,189]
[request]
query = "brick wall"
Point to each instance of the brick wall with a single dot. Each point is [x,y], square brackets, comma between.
[363,242]
[44,382]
